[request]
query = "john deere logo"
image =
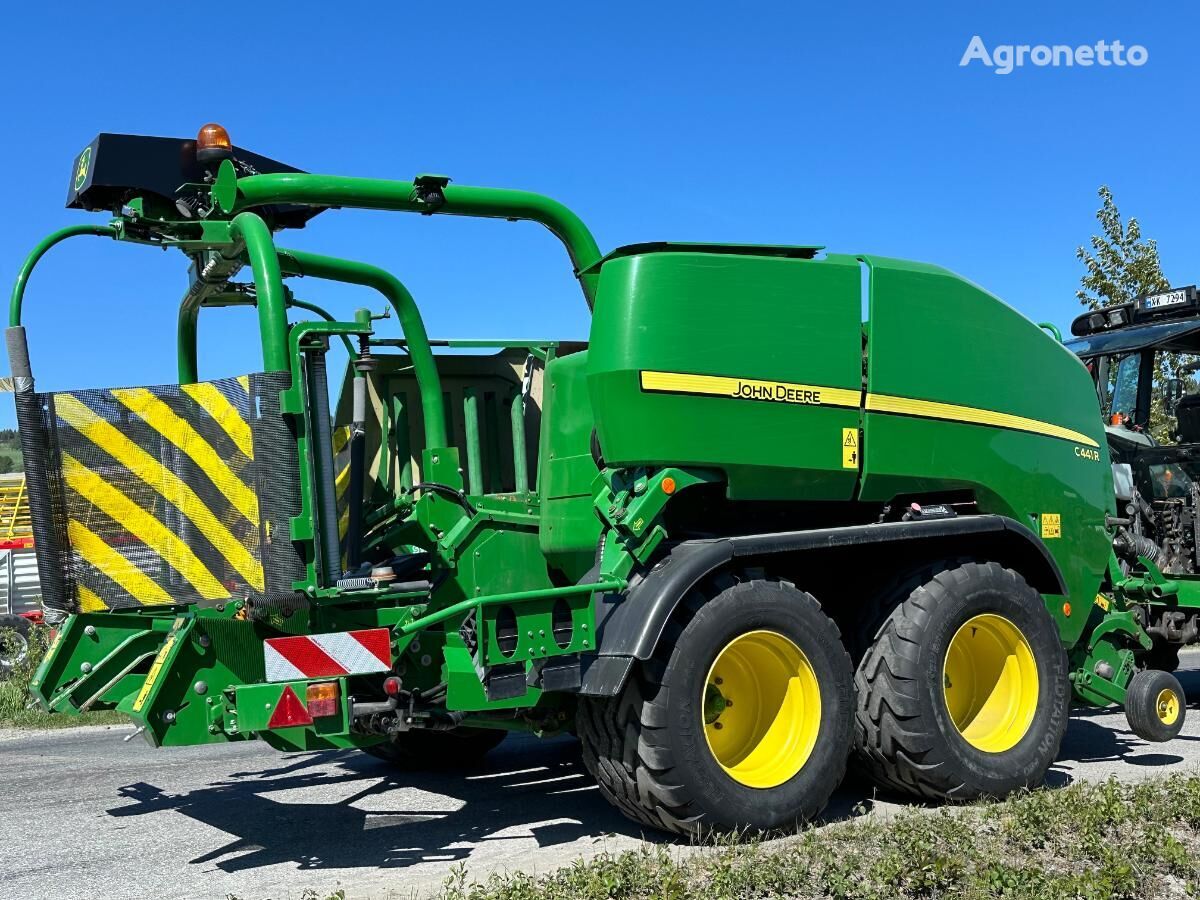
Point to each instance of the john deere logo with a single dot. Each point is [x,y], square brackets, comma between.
[81,167]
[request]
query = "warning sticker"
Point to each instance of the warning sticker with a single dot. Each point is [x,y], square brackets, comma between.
[1051,525]
[1103,602]
[849,448]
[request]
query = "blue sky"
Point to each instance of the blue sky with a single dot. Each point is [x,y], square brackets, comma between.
[849,125]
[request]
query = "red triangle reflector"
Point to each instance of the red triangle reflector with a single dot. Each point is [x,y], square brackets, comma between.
[289,711]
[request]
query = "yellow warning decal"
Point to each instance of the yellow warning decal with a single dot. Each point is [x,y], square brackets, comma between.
[145,527]
[849,448]
[748,389]
[88,600]
[155,670]
[172,488]
[92,549]
[162,419]
[1051,525]
[225,414]
[1103,602]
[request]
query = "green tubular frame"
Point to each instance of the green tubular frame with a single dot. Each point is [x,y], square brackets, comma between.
[272,300]
[268,283]
[35,255]
[372,193]
[269,265]
[185,341]
[296,303]
[429,383]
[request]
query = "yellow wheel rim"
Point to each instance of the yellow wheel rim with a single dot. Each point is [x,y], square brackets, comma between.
[990,682]
[762,709]
[1167,706]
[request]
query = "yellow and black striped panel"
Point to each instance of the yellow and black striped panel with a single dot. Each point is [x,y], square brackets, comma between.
[160,493]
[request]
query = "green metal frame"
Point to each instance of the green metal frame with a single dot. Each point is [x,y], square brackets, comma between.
[36,254]
[233,195]
[488,545]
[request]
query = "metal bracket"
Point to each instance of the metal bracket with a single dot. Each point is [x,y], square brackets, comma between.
[430,191]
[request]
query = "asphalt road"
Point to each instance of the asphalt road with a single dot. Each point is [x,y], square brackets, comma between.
[84,814]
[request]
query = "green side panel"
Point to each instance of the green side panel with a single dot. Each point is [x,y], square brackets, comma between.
[937,337]
[570,528]
[776,320]
[501,560]
[464,690]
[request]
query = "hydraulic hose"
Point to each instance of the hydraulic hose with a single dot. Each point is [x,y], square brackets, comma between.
[35,452]
[1130,546]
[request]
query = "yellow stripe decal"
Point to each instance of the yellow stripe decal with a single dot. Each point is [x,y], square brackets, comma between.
[88,601]
[165,482]
[132,579]
[213,402]
[143,526]
[970,415]
[156,668]
[342,481]
[749,389]
[343,524]
[244,381]
[161,418]
[816,395]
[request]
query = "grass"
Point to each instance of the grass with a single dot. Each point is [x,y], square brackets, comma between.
[15,697]
[1085,841]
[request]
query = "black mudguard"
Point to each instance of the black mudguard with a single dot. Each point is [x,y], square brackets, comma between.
[629,624]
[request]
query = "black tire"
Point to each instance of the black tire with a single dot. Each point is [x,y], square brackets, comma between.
[905,737]
[868,619]
[14,643]
[1155,705]
[648,748]
[420,750]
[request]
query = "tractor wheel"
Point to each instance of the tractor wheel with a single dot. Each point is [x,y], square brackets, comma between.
[1155,705]
[14,643]
[964,691]
[419,750]
[741,719]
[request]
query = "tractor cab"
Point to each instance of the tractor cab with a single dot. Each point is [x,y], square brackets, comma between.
[1144,358]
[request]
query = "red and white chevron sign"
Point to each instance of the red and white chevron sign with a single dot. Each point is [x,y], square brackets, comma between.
[326,655]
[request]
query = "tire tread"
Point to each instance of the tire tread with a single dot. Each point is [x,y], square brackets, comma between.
[624,738]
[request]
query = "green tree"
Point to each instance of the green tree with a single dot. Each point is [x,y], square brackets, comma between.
[1121,267]
[7,463]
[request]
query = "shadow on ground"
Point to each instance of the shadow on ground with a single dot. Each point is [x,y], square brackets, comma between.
[539,788]
[445,815]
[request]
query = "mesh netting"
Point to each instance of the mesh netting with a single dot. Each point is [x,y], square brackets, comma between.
[168,494]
